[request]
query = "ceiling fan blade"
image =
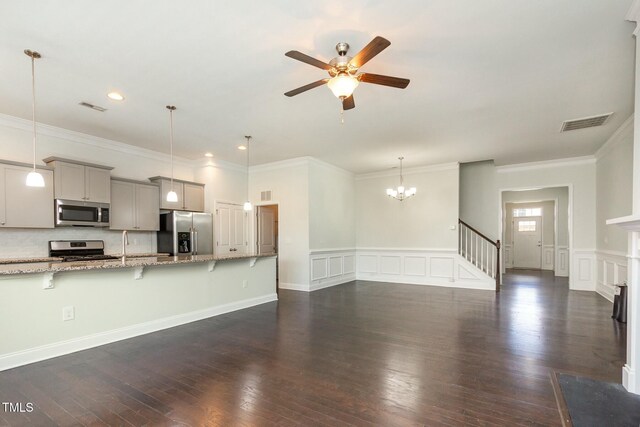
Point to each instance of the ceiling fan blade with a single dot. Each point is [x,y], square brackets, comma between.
[308,60]
[348,103]
[305,88]
[378,79]
[375,46]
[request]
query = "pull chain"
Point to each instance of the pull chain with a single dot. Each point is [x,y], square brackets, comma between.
[341,115]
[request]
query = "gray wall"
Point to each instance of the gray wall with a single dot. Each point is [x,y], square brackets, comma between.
[479,197]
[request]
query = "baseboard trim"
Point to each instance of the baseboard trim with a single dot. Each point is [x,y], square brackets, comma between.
[604,291]
[629,379]
[36,354]
[293,287]
[332,282]
[479,285]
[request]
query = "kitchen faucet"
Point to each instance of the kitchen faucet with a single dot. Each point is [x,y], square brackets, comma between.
[125,242]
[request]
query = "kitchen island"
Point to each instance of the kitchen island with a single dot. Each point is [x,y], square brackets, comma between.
[106,301]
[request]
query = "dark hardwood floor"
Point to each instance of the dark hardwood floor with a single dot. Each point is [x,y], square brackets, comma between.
[362,353]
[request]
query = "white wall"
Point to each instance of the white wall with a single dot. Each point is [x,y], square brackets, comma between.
[422,221]
[614,177]
[223,182]
[289,185]
[478,198]
[332,217]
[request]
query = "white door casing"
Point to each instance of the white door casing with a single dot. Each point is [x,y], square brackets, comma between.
[527,242]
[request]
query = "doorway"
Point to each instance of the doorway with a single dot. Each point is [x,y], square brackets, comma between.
[267,233]
[535,229]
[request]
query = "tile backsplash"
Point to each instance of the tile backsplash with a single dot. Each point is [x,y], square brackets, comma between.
[27,243]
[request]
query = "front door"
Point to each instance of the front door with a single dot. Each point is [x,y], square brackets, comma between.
[527,243]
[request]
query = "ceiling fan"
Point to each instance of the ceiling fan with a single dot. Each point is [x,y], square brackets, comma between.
[343,70]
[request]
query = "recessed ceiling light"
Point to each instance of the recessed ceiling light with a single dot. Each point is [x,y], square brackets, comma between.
[242,147]
[208,155]
[115,96]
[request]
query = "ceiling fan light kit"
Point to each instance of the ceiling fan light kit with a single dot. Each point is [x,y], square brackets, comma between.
[343,71]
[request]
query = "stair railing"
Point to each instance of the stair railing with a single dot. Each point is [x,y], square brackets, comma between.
[479,250]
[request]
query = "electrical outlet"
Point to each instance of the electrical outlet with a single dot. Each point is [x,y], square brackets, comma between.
[68,313]
[245,283]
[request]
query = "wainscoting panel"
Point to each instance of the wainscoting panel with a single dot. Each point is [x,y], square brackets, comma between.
[548,255]
[562,261]
[415,266]
[332,267]
[420,266]
[335,266]
[612,270]
[390,264]
[507,253]
[583,277]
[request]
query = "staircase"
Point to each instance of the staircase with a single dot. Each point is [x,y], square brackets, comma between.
[479,250]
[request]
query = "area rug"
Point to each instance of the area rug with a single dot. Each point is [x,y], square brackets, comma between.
[596,403]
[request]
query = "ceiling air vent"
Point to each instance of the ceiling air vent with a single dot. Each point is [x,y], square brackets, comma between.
[93,107]
[265,196]
[586,122]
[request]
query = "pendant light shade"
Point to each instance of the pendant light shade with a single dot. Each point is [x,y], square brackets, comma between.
[247,205]
[34,178]
[172,196]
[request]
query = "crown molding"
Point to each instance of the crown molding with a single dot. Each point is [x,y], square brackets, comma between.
[220,164]
[408,171]
[617,138]
[281,164]
[633,15]
[93,141]
[571,161]
[327,165]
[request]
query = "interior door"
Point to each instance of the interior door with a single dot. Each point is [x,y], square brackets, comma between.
[231,229]
[527,243]
[266,230]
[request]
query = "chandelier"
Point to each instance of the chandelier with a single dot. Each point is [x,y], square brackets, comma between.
[401,193]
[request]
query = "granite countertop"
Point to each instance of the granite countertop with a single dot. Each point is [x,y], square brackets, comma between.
[56,266]
[54,259]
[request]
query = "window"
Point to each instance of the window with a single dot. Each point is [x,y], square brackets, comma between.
[526,225]
[527,212]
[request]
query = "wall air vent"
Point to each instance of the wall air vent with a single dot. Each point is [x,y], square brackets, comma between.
[93,107]
[586,122]
[265,196]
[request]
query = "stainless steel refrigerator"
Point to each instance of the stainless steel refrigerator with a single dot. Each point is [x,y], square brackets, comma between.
[186,233]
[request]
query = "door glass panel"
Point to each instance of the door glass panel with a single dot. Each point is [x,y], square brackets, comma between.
[527,226]
[527,212]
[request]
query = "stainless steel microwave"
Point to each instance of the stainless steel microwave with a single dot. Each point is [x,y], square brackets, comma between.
[82,214]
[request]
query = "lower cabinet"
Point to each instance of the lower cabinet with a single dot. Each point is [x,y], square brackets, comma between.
[134,206]
[22,206]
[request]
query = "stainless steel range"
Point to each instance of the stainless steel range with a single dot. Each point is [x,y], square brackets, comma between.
[78,250]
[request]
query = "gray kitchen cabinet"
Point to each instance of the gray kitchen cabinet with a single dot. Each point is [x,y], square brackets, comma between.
[193,197]
[80,181]
[22,206]
[134,206]
[190,194]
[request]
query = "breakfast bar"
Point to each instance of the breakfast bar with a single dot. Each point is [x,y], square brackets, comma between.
[72,306]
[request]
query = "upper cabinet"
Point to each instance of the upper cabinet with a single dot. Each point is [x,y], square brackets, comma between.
[81,181]
[22,206]
[190,194]
[134,206]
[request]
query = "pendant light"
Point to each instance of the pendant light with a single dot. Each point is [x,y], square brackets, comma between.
[172,196]
[247,205]
[34,178]
[401,193]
